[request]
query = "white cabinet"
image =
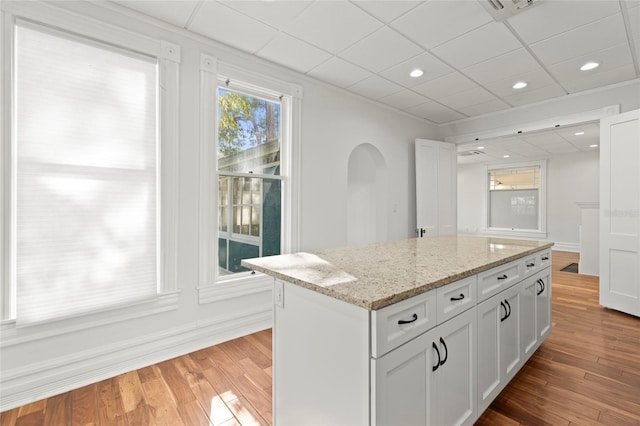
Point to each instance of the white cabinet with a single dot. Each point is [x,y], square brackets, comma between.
[429,380]
[535,322]
[619,207]
[499,353]
[436,188]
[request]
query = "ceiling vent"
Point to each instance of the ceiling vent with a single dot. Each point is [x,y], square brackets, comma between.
[504,9]
[469,153]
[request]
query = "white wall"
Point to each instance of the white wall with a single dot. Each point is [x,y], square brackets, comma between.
[571,178]
[43,360]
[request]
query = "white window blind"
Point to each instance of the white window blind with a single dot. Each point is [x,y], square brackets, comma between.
[86,175]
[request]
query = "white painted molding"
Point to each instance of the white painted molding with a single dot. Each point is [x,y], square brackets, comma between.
[588,204]
[566,246]
[245,286]
[33,382]
[170,51]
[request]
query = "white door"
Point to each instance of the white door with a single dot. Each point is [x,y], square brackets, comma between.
[402,383]
[620,212]
[543,304]
[510,355]
[436,188]
[454,399]
[529,289]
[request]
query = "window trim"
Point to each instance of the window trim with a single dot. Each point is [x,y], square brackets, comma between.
[52,18]
[541,232]
[212,72]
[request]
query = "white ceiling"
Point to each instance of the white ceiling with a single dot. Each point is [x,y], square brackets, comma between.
[470,60]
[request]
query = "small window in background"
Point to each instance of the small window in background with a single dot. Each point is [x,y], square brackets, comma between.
[514,198]
[249,178]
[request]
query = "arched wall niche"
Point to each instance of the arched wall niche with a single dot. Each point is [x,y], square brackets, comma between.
[366,196]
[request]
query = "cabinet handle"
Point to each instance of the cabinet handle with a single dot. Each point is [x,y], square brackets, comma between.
[505,312]
[530,265]
[446,351]
[541,282]
[435,367]
[545,258]
[414,318]
[503,277]
[508,306]
[453,299]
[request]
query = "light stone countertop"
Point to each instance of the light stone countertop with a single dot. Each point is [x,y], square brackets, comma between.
[377,275]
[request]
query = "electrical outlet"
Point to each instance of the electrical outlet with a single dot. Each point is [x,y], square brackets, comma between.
[278,294]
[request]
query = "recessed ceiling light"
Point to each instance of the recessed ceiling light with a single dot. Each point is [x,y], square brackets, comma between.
[520,85]
[579,133]
[589,66]
[481,147]
[595,145]
[416,73]
[505,156]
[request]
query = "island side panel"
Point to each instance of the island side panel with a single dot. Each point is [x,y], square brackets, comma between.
[320,359]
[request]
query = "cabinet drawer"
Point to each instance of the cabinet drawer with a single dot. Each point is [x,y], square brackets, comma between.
[398,323]
[497,279]
[544,259]
[455,298]
[530,265]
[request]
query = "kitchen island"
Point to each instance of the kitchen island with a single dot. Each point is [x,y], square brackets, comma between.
[418,331]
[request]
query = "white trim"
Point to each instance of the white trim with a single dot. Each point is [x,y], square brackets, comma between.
[550,123]
[238,287]
[515,234]
[38,331]
[44,379]
[588,204]
[564,246]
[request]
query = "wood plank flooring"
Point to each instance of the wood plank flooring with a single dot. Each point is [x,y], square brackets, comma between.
[586,373]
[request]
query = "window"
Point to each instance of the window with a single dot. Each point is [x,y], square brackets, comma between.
[248,194]
[87,190]
[515,198]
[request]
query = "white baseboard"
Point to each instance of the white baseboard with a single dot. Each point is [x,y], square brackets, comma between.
[24,385]
[572,247]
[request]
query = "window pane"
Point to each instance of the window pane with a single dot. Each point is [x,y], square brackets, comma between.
[514,209]
[86,177]
[249,133]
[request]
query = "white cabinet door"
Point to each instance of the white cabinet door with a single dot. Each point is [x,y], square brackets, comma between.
[528,309]
[543,304]
[454,398]
[499,355]
[402,383]
[436,188]
[619,207]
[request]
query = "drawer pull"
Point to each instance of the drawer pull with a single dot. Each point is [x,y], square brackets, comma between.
[530,265]
[505,312]
[541,282]
[454,299]
[414,318]
[545,258]
[435,367]
[503,277]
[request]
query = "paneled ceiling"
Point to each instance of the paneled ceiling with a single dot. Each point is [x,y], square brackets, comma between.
[470,59]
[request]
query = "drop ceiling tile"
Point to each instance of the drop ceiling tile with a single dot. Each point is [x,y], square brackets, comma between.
[432,67]
[535,80]
[339,72]
[612,57]
[332,25]
[535,95]
[293,53]
[381,50]
[543,139]
[435,22]
[475,96]
[510,64]
[605,77]
[484,108]
[589,130]
[375,87]
[386,10]
[488,41]
[586,39]
[404,99]
[550,18]
[535,155]
[445,86]
[275,13]
[435,112]
[227,21]
[563,148]
[176,13]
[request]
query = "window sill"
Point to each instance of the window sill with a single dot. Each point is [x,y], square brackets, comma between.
[234,286]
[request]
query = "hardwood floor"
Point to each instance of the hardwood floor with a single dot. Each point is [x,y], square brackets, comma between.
[586,373]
